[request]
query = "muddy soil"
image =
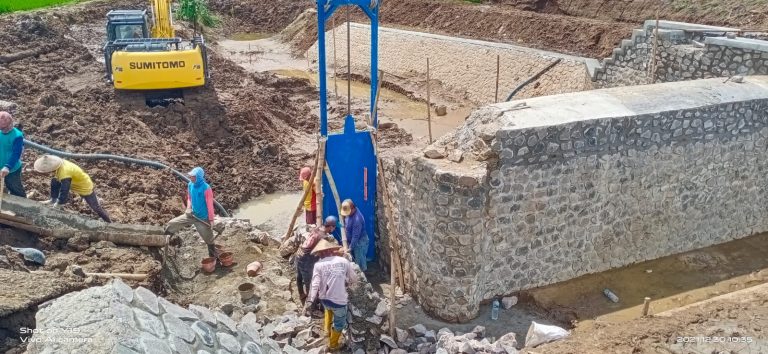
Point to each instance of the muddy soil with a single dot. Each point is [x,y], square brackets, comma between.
[241,129]
[740,14]
[734,324]
[581,36]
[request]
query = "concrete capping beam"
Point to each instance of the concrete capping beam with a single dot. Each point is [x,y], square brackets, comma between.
[684,26]
[742,43]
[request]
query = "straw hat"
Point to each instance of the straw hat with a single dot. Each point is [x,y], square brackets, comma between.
[48,163]
[346,207]
[323,245]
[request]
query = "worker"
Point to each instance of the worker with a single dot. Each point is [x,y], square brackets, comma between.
[330,276]
[305,260]
[11,147]
[354,224]
[199,210]
[68,176]
[310,203]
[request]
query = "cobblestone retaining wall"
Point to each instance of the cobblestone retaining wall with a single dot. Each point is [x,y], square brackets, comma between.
[463,65]
[685,52]
[580,183]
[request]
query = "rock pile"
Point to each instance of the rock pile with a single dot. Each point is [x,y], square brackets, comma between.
[419,339]
[117,319]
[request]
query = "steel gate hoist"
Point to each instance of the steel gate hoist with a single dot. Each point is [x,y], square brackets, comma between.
[350,154]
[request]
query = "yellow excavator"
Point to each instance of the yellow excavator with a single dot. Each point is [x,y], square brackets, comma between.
[143,58]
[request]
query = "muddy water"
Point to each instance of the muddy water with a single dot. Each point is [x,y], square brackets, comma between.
[271,212]
[670,282]
[394,107]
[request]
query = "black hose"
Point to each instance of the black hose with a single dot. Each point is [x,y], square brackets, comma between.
[533,78]
[128,160]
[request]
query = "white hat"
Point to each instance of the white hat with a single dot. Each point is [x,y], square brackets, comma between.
[48,163]
[346,207]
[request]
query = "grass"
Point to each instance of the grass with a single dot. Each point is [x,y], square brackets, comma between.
[7,6]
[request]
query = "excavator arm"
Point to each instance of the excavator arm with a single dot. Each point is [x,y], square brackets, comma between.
[162,25]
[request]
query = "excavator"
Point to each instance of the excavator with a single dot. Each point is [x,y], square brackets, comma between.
[140,57]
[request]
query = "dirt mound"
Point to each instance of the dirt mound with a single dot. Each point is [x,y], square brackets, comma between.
[258,16]
[241,129]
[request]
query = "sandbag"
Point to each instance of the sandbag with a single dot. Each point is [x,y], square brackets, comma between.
[540,334]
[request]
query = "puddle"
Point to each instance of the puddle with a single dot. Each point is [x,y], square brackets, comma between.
[395,107]
[670,282]
[249,36]
[271,212]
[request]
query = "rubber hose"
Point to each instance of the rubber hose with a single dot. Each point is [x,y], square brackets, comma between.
[533,78]
[128,160]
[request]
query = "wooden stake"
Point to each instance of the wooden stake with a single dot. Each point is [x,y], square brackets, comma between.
[300,207]
[337,199]
[646,305]
[335,84]
[654,62]
[319,182]
[498,65]
[429,107]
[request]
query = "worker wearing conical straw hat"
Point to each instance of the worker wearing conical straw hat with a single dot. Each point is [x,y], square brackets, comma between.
[330,277]
[69,177]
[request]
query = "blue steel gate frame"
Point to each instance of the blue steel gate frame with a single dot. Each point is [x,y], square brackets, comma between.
[350,154]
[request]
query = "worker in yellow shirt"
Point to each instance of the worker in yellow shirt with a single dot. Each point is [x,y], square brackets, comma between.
[68,176]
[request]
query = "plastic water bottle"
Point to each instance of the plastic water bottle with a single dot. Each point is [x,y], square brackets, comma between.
[495,310]
[609,294]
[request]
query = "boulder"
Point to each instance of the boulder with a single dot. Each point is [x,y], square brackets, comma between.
[418,330]
[509,301]
[434,154]
[456,155]
[441,110]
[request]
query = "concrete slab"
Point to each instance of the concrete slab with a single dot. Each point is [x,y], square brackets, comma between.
[636,100]
[739,42]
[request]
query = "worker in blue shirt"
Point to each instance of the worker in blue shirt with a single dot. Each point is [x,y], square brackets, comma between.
[354,225]
[11,147]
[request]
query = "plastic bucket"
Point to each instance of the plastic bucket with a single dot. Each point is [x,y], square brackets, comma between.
[245,290]
[208,264]
[226,259]
[253,269]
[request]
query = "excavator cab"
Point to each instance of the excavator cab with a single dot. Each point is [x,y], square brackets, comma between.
[142,53]
[127,24]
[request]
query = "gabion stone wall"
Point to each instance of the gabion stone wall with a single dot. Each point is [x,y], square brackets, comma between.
[685,52]
[580,183]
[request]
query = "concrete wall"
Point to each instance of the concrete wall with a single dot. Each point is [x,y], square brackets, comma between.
[685,52]
[462,65]
[580,183]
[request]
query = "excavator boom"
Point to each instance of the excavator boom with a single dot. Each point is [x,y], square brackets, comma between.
[162,26]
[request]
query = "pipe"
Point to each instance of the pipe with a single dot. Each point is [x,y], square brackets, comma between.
[533,78]
[128,160]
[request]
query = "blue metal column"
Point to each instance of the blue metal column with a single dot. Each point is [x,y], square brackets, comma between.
[321,17]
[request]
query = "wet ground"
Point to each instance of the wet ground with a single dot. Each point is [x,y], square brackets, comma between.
[670,282]
[271,212]
[410,114]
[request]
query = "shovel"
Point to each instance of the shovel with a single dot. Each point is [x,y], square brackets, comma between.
[2,192]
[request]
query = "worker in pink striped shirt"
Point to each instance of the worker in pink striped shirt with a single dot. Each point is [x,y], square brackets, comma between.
[330,278]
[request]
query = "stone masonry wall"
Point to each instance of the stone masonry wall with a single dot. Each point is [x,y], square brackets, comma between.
[465,66]
[580,183]
[685,52]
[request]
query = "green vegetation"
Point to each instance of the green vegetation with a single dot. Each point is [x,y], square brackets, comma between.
[19,5]
[196,12]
